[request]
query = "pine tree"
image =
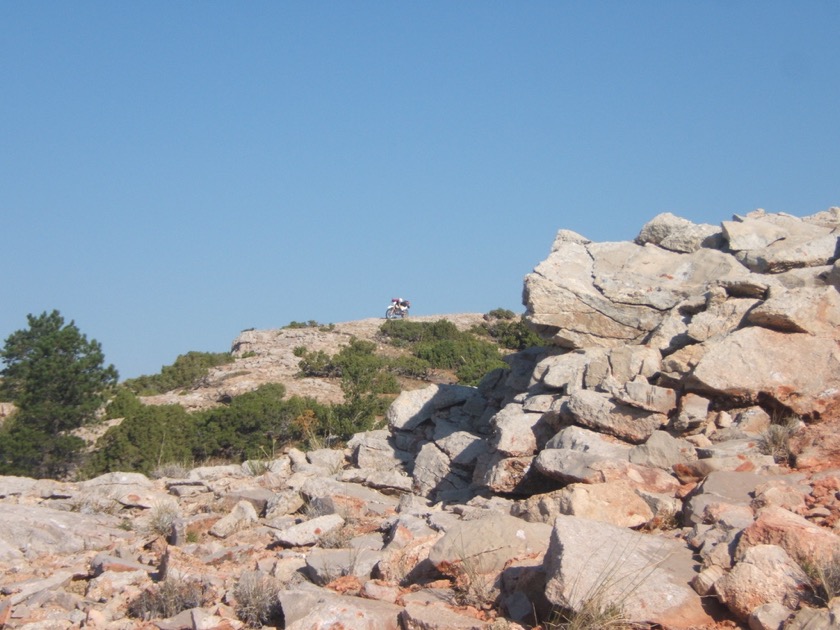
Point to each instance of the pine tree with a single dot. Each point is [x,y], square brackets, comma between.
[57,379]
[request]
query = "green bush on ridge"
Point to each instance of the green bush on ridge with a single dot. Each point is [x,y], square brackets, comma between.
[184,372]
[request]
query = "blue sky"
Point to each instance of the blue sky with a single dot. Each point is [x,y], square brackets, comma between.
[172,173]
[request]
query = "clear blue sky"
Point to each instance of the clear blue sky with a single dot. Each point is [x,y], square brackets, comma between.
[172,173]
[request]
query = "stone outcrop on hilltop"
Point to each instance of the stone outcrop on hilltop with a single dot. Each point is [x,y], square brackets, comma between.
[673,454]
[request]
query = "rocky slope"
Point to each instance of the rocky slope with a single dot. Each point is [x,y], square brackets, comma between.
[673,456]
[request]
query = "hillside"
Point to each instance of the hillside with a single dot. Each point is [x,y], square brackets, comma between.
[267,356]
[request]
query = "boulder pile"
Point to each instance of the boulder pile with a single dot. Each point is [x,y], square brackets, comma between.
[670,459]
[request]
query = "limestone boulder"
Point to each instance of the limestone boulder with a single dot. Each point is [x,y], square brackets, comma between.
[600,412]
[309,532]
[727,487]
[242,516]
[613,502]
[765,574]
[562,373]
[32,531]
[798,370]
[437,616]
[485,546]
[773,243]
[801,539]
[519,433]
[329,496]
[504,475]
[435,477]
[413,407]
[640,393]
[570,466]
[677,234]
[583,440]
[811,310]
[377,450]
[647,575]
[608,294]
[306,608]
[662,450]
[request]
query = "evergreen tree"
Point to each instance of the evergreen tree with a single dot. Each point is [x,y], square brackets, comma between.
[58,380]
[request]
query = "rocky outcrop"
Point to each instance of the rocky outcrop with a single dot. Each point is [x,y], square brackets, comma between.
[670,458]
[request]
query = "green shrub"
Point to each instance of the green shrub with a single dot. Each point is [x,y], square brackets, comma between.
[410,366]
[184,372]
[315,364]
[123,404]
[403,332]
[508,331]
[147,436]
[441,345]
[310,324]
[469,357]
[501,313]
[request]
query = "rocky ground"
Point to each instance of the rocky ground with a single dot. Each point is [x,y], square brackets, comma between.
[671,462]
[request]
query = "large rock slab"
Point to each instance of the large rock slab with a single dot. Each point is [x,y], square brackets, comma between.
[773,243]
[586,441]
[349,499]
[677,234]
[309,532]
[32,531]
[811,310]
[413,407]
[802,540]
[646,575]
[519,433]
[487,544]
[726,487]
[765,574]
[602,413]
[437,616]
[607,294]
[576,467]
[306,607]
[799,370]
[613,502]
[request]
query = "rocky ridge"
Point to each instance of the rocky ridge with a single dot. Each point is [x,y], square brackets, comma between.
[673,453]
[267,356]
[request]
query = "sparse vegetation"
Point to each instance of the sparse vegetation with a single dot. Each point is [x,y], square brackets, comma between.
[508,331]
[825,576]
[311,324]
[593,614]
[256,600]
[168,598]
[171,470]
[162,517]
[775,440]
